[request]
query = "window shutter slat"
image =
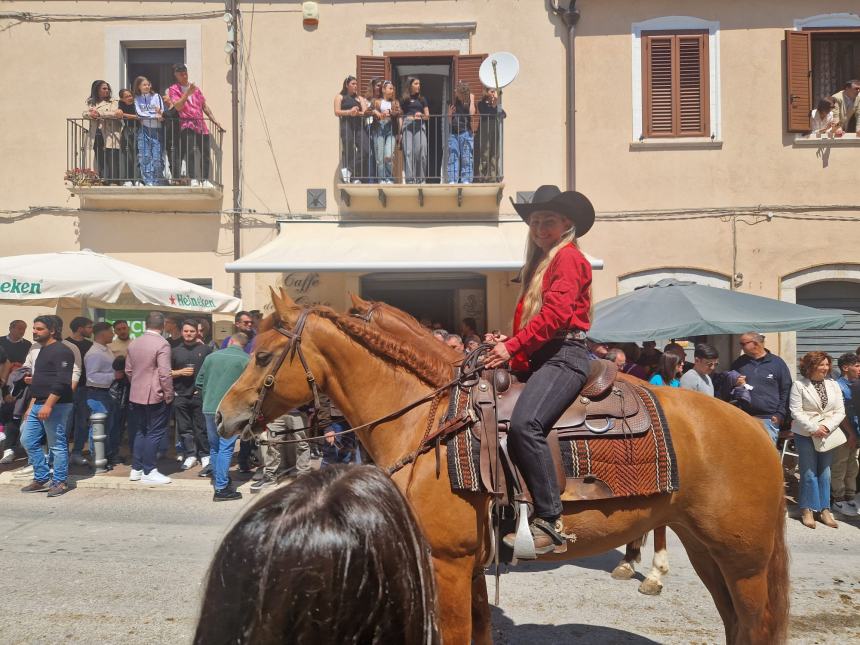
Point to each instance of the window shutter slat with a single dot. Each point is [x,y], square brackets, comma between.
[798,83]
[368,67]
[675,87]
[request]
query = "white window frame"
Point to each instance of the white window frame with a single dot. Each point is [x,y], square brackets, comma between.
[826,21]
[677,23]
[116,38]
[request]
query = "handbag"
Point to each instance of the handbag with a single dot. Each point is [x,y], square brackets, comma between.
[831,441]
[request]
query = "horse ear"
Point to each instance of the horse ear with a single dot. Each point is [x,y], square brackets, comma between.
[285,298]
[277,303]
[359,303]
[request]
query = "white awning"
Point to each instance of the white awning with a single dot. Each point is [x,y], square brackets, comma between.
[328,245]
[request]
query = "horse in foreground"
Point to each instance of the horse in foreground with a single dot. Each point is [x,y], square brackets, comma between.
[729,511]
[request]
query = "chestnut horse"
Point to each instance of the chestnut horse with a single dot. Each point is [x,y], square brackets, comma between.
[729,511]
[397,322]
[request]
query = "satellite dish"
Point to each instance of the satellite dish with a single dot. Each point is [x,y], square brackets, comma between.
[499,70]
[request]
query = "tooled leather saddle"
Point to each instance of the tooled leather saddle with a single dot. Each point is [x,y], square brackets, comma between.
[605,408]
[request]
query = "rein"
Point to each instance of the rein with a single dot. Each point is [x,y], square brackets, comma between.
[466,377]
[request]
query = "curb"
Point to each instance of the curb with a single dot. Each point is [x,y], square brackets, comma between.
[109,482]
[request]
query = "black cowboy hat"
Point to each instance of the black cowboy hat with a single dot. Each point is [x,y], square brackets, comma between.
[573,205]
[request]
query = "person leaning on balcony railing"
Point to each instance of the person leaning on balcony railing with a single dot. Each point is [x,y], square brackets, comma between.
[351,108]
[104,131]
[195,138]
[825,121]
[847,108]
[129,171]
[371,123]
[150,137]
[461,143]
[387,111]
[173,149]
[414,131]
[489,136]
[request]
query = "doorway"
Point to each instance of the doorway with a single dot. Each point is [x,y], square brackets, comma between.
[435,74]
[155,63]
[442,299]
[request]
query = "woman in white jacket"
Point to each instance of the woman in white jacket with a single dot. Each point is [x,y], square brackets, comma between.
[817,409]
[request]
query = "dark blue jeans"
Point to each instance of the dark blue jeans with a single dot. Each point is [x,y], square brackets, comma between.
[559,371]
[150,424]
[99,400]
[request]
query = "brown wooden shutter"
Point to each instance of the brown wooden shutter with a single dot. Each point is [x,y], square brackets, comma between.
[693,72]
[798,84]
[675,85]
[368,67]
[466,69]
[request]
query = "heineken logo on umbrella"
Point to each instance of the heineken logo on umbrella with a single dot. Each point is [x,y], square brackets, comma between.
[14,286]
[196,302]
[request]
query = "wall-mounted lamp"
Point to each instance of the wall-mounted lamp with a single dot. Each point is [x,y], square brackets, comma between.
[310,14]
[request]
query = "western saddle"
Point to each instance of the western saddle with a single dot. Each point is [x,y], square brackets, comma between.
[606,407]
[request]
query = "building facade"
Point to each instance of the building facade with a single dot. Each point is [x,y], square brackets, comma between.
[686,124]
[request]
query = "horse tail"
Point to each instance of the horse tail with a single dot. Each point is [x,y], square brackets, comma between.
[776,616]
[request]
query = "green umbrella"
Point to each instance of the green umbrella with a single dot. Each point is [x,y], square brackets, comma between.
[677,309]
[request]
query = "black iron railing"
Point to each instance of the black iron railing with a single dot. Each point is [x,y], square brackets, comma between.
[434,149]
[113,152]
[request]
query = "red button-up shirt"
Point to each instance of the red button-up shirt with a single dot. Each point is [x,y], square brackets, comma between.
[566,305]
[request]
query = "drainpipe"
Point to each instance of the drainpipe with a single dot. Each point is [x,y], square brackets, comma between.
[233,6]
[569,14]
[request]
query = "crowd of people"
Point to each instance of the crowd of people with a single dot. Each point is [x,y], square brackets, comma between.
[835,115]
[173,375]
[149,138]
[375,124]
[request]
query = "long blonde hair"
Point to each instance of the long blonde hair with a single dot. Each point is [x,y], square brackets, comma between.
[537,262]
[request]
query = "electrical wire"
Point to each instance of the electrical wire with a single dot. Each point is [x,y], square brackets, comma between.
[22,17]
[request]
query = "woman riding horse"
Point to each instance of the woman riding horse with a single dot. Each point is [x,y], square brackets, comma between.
[550,322]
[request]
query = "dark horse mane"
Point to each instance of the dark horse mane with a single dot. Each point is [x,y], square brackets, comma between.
[427,366]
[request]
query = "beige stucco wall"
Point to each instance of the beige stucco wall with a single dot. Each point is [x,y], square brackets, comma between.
[298,71]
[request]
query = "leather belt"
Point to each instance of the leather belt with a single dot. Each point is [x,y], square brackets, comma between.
[570,334]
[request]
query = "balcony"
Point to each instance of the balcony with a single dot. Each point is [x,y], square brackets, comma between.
[421,166]
[106,166]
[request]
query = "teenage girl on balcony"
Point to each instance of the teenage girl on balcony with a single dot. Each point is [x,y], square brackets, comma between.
[104,129]
[386,109]
[351,108]
[149,108]
[416,113]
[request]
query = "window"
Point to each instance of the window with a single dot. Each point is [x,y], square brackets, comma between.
[156,63]
[675,74]
[818,63]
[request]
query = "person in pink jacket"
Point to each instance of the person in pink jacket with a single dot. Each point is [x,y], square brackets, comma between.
[147,366]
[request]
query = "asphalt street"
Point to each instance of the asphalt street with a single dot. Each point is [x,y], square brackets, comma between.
[127,566]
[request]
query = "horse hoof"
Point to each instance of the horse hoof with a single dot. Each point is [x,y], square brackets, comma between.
[651,587]
[624,571]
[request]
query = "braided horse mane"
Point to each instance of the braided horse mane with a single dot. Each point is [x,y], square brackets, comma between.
[428,366]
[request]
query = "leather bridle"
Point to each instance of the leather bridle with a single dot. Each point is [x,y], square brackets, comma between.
[292,349]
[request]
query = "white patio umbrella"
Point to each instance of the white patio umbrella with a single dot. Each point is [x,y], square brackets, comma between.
[72,279]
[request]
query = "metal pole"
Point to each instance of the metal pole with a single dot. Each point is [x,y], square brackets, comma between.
[98,422]
[237,194]
[569,16]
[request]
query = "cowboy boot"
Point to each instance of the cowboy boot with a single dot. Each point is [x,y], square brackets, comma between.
[807,519]
[826,518]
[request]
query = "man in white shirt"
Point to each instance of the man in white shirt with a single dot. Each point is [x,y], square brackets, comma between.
[705,362]
[98,362]
[119,345]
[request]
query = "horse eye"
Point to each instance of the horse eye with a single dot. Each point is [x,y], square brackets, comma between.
[263,358]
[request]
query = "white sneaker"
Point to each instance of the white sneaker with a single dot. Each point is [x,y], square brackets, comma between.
[135,475]
[189,462]
[841,508]
[8,456]
[204,461]
[128,184]
[208,184]
[194,182]
[180,457]
[155,477]
[852,507]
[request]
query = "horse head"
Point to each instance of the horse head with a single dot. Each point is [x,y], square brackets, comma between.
[274,380]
